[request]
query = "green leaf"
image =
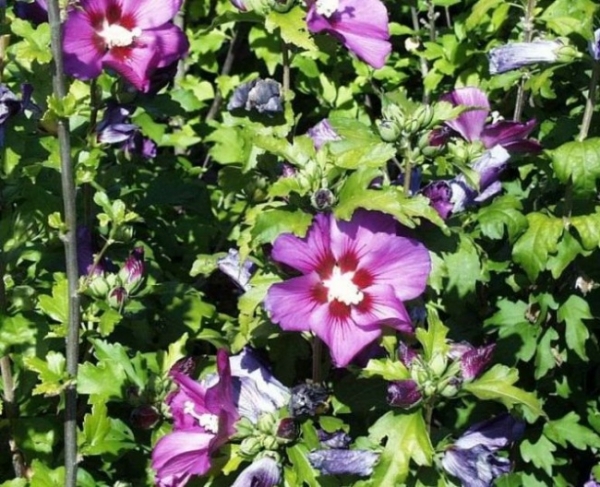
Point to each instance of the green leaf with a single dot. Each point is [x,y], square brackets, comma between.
[588,227]
[497,384]
[579,162]
[386,368]
[57,305]
[305,474]
[503,213]
[464,267]
[51,373]
[573,312]
[272,223]
[433,340]
[293,27]
[539,453]
[407,439]
[569,430]
[102,435]
[566,17]
[545,357]
[391,200]
[108,320]
[540,240]
[16,330]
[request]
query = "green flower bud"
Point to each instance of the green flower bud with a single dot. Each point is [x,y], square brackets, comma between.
[250,446]
[244,428]
[424,116]
[98,287]
[270,443]
[393,113]
[451,388]
[267,423]
[388,130]
[322,199]
[282,6]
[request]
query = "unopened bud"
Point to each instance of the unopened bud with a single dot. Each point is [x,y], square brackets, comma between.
[266,423]
[322,199]
[403,394]
[117,297]
[250,446]
[389,131]
[132,272]
[287,430]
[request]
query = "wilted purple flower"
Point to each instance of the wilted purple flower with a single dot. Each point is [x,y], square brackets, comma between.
[144,417]
[85,253]
[262,95]
[594,45]
[406,354]
[518,54]
[473,459]
[308,399]
[403,393]
[342,462]
[185,366]
[288,429]
[322,133]
[239,4]
[255,390]
[361,25]
[335,440]
[471,125]
[454,195]
[473,360]
[115,128]
[132,272]
[10,105]
[132,38]
[264,472]
[36,12]
[356,275]
[231,266]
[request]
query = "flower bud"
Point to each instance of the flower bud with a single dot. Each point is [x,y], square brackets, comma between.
[250,446]
[270,443]
[144,417]
[185,365]
[98,287]
[389,131]
[403,394]
[132,272]
[287,430]
[451,388]
[393,113]
[266,423]
[117,297]
[322,199]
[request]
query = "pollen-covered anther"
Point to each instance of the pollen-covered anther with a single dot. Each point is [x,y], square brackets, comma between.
[327,7]
[340,287]
[116,35]
[210,422]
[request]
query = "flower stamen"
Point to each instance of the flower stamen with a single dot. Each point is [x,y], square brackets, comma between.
[210,422]
[340,287]
[116,35]
[327,8]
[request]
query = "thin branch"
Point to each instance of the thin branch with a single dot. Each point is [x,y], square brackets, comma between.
[590,102]
[424,68]
[528,30]
[285,55]
[70,241]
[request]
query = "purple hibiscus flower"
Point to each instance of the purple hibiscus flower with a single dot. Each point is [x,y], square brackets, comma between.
[473,459]
[361,25]
[355,277]
[205,413]
[518,54]
[115,128]
[133,38]
[322,133]
[471,125]
[36,11]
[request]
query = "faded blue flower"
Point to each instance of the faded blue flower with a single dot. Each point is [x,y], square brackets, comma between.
[264,96]
[518,54]
[342,462]
[473,458]
[594,45]
[116,128]
[231,266]
[322,133]
[403,394]
[264,472]
[335,440]
[308,400]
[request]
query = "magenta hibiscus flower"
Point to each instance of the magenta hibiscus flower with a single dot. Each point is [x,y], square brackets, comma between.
[355,277]
[132,37]
[361,25]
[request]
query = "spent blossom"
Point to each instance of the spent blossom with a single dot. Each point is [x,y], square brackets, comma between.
[361,25]
[262,95]
[515,55]
[343,462]
[239,272]
[116,128]
[36,11]
[355,277]
[473,458]
[264,472]
[322,133]
[594,46]
[473,360]
[132,38]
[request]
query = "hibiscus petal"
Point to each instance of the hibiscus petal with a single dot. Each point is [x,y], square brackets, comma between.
[307,254]
[469,124]
[381,307]
[343,337]
[150,13]
[83,48]
[182,452]
[400,262]
[135,64]
[292,303]
[169,40]
[507,132]
[264,472]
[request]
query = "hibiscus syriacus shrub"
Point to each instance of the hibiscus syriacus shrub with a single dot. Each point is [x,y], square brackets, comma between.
[299,242]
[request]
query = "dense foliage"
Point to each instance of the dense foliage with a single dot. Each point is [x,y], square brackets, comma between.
[402,294]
